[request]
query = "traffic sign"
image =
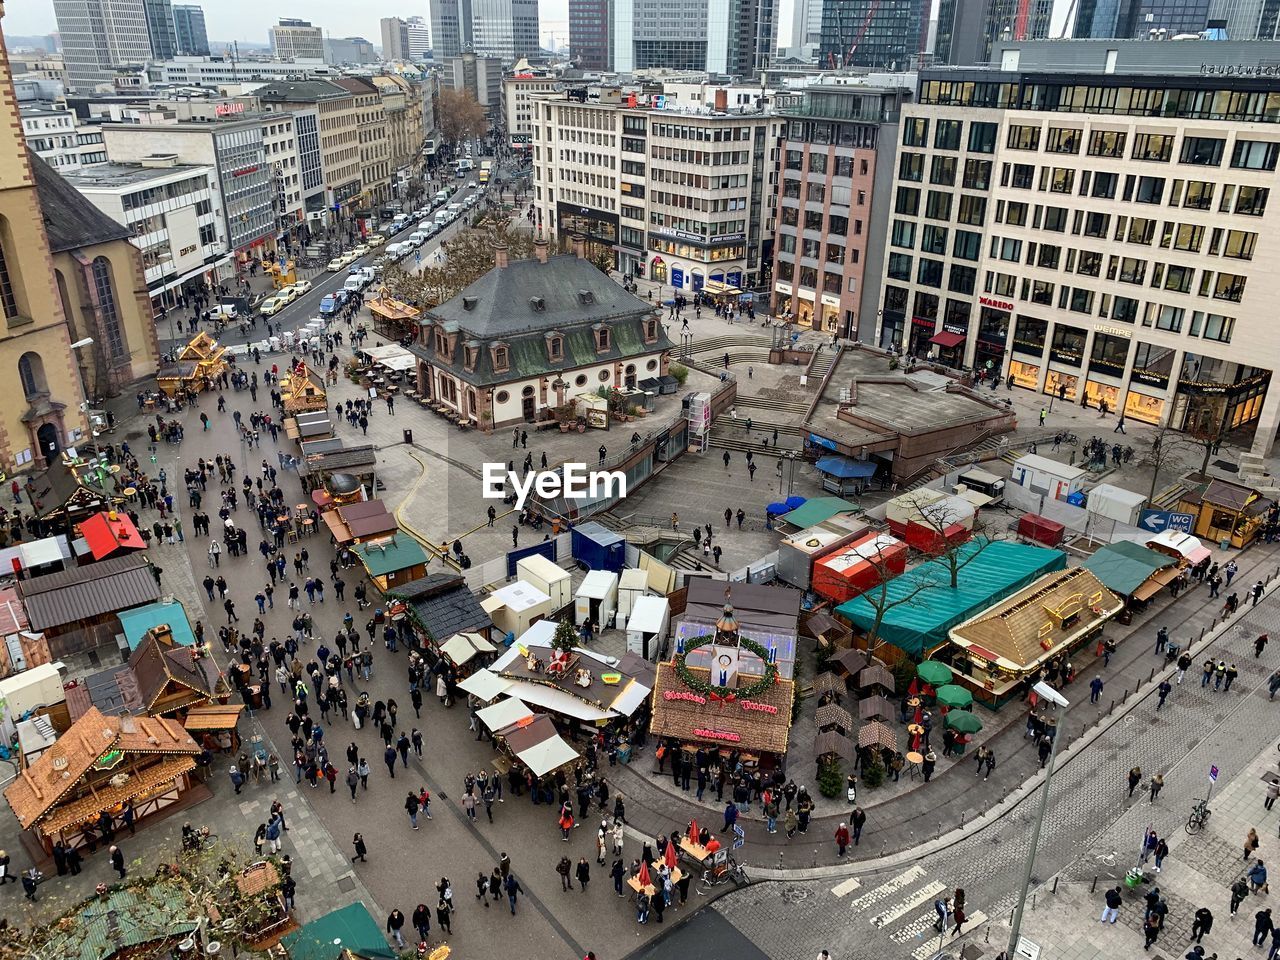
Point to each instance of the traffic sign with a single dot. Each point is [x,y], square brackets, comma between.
[1213,774]
[1157,521]
[738,831]
[738,843]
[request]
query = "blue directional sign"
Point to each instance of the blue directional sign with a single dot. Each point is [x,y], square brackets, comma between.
[1158,521]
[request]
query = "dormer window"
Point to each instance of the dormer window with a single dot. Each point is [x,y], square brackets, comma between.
[602,338]
[501,358]
[473,354]
[555,346]
[650,331]
[442,344]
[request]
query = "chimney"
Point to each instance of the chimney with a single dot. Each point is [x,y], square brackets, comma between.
[722,101]
[500,255]
[579,246]
[540,247]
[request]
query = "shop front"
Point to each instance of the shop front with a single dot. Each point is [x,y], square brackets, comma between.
[1027,356]
[1143,406]
[1146,399]
[993,333]
[1061,384]
[922,330]
[893,318]
[1108,357]
[1226,513]
[1214,408]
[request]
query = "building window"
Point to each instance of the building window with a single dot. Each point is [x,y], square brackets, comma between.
[557,348]
[982,137]
[911,167]
[903,234]
[929,272]
[1202,151]
[1062,140]
[972,210]
[1106,143]
[1255,155]
[977,174]
[967,245]
[580,380]
[1251,201]
[31,373]
[1022,137]
[915,132]
[602,338]
[947,135]
[7,300]
[1154,147]
[114,346]
[938,205]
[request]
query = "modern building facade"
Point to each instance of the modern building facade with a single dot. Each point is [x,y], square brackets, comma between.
[212,71]
[408,40]
[188,23]
[281,148]
[1095,235]
[519,109]
[678,196]
[349,51]
[589,34]
[161,29]
[234,149]
[874,34]
[967,30]
[1141,19]
[506,29]
[297,40]
[100,35]
[479,76]
[728,37]
[171,210]
[55,134]
[838,147]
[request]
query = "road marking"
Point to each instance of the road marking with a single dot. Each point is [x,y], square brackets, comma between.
[903,907]
[887,889]
[930,948]
[848,886]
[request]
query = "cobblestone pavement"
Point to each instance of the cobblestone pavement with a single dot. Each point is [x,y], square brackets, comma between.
[889,913]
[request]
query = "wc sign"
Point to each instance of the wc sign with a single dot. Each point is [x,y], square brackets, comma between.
[1213,774]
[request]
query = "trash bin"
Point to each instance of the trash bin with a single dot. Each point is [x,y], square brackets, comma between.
[408,436]
[1224,544]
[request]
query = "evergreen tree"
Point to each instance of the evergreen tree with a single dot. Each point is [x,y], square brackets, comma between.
[565,637]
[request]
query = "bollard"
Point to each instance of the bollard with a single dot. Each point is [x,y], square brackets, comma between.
[1125,696]
[939,833]
[1055,885]
[1152,675]
[1093,887]
[962,813]
[779,860]
[815,859]
[884,848]
[987,938]
[1202,632]
[1112,707]
[1033,901]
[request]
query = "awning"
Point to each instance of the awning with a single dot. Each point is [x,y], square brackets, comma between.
[484,684]
[504,713]
[107,532]
[1155,583]
[845,468]
[461,647]
[947,340]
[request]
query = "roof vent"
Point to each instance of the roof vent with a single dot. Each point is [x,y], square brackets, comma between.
[469,303]
[586,296]
[538,303]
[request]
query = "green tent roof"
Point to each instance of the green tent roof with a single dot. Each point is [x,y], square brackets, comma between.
[398,553]
[139,620]
[995,570]
[1124,566]
[817,510]
[351,927]
[141,917]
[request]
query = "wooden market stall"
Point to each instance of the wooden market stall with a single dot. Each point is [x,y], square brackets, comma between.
[201,361]
[392,318]
[392,561]
[302,391]
[1226,513]
[1132,571]
[100,764]
[995,652]
[215,725]
[360,521]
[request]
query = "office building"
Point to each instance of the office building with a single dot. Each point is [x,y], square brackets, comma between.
[161,29]
[479,76]
[1141,19]
[281,147]
[589,34]
[408,40]
[519,109]
[874,34]
[67,273]
[188,22]
[171,210]
[506,29]
[402,113]
[1247,19]
[100,35]
[680,196]
[297,40]
[371,126]
[838,146]
[726,37]
[338,134]
[806,28]
[1100,233]
[56,135]
[349,51]
[234,149]
[214,71]
[968,29]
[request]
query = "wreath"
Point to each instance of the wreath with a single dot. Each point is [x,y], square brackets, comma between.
[697,684]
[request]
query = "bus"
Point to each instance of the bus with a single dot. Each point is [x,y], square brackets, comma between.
[484,175]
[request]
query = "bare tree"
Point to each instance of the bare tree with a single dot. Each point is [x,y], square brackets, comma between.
[468,256]
[882,600]
[459,116]
[1167,445]
[939,516]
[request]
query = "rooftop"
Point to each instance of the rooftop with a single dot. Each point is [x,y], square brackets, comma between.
[70,220]
[299,90]
[112,175]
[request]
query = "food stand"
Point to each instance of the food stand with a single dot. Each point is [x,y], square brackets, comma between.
[392,561]
[1132,571]
[301,391]
[359,521]
[462,649]
[216,726]
[199,363]
[100,764]
[859,566]
[1004,645]
[392,318]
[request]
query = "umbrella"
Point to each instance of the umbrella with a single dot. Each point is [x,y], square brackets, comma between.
[933,672]
[828,681]
[877,734]
[954,695]
[774,509]
[833,743]
[693,831]
[795,502]
[643,878]
[834,715]
[669,856]
[963,721]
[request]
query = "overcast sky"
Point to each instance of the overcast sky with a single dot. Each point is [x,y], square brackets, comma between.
[250,19]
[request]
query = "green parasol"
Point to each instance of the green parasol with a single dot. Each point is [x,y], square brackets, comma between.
[931,671]
[954,695]
[963,721]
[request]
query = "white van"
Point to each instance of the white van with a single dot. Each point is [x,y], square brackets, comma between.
[394,250]
[453,209]
[399,220]
[354,284]
[417,238]
[442,218]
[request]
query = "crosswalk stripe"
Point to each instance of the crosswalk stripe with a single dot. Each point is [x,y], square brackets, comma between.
[925,893]
[916,929]
[930,948]
[887,889]
[848,886]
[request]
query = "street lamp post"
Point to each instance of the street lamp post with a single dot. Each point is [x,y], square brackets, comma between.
[1045,692]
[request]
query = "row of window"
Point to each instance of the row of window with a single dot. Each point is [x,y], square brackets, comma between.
[840,166]
[808,277]
[703,158]
[811,248]
[832,224]
[817,193]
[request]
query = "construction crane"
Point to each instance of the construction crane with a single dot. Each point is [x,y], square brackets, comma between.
[866,25]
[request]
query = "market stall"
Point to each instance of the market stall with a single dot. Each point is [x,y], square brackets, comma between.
[535,743]
[548,577]
[98,766]
[467,652]
[392,561]
[999,649]
[1226,513]
[110,531]
[1183,548]
[1132,571]
[859,566]
[215,726]
[359,521]
[392,318]
[798,552]
[199,363]
[647,626]
[596,599]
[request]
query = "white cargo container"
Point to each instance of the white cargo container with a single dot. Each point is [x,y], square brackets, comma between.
[551,579]
[597,598]
[647,626]
[631,586]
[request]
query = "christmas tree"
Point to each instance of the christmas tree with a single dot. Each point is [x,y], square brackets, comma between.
[565,637]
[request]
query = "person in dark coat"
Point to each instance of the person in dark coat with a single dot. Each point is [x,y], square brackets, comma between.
[422,920]
[117,861]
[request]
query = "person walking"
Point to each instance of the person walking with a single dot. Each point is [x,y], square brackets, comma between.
[1150,930]
[1156,785]
[411,807]
[358,842]
[857,819]
[1162,851]
[583,873]
[842,838]
[1251,843]
[1262,926]
[1202,924]
[1273,791]
[1259,645]
[395,921]
[513,888]
[422,921]
[564,868]
[1095,689]
[1162,692]
[1239,892]
[1257,876]
[1111,905]
[1135,778]
[117,861]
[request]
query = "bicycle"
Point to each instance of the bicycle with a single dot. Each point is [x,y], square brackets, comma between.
[1198,817]
[733,871]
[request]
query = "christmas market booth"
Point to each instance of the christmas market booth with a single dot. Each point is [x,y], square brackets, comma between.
[392,318]
[201,361]
[735,698]
[392,561]
[1135,572]
[100,765]
[996,652]
[1226,513]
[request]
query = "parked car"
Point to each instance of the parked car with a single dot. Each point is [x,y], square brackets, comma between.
[227,311]
[329,304]
[302,286]
[376,240]
[359,251]
[273,305]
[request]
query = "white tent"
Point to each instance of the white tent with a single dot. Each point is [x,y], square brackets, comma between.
[461,647]
[391,356]
[503,713]
[485,685]
[546,756]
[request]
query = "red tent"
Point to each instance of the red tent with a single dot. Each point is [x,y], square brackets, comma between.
[105,533]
